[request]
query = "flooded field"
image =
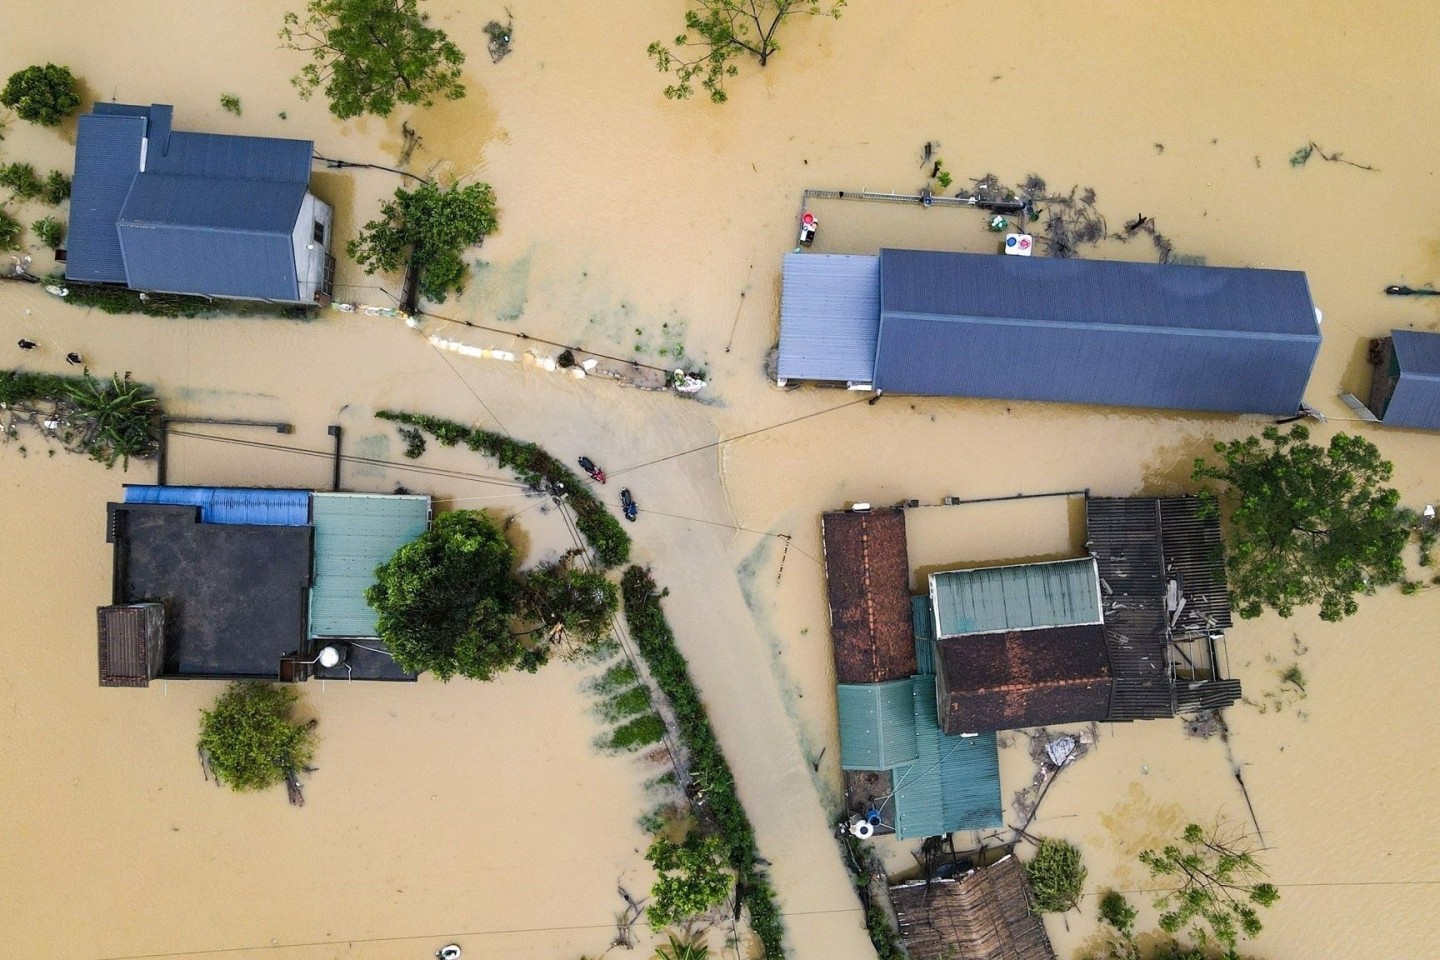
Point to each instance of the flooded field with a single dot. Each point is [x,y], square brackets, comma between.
[648,230]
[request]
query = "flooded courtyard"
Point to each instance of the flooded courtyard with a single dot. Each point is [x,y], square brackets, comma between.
[646,230]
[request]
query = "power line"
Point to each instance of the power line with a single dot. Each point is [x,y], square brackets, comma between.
[739,436]
[466,384]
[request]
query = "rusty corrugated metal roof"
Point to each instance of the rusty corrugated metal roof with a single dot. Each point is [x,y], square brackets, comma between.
[131,643]
[868,576]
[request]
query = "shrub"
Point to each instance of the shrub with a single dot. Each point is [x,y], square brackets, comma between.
[1116,911]
[57,188]
[637,733]
[50,231]
[579,605]
[230,103]
[692,879]
[44,95]
[251,740]
[10,231]
[1056,876]
[22,180]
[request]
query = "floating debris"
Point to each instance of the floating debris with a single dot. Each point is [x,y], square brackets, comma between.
[500,34]
[1302,156]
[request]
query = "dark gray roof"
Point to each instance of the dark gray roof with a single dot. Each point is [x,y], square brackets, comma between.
[829,317]
[1090,331]
[107,156]
[209,214]
[1416,400]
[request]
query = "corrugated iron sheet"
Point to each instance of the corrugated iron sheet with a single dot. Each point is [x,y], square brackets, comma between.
[234,505]
[107,157]
[1019,597]
[829,317]
[1094,331]
[877,725]
[954,783]
[924,634]
[1416,399]
[354,534]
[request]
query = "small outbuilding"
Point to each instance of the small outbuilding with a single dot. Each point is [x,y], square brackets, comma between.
[986,914]
[1404,380]
[163,210]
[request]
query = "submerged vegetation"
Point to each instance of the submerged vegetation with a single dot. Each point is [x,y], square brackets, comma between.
[541,471]
[250,740]
[1056,875]
[719,32]
[427,229]
[1221,885]
[714,784]
[691,878]
[368,56]
[107,420]
[44,95]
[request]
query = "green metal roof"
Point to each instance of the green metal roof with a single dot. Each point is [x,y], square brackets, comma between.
[954,783]
[877,724]
[1060,593]
[354,534]
[924,634]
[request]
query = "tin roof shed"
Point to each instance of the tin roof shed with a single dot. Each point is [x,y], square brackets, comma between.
[829,317]
[235,505]
[877,725]
[1026,596]
[354,534]
[1413,371]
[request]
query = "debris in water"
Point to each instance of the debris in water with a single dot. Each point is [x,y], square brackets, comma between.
[1302,156]
[500,35]
[1203,725]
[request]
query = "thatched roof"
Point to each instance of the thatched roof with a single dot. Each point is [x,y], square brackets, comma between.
[984,915]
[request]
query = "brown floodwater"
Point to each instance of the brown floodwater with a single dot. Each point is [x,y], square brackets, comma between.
[645,229]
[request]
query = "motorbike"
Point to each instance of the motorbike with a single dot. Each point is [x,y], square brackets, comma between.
[627,503]
[589,467]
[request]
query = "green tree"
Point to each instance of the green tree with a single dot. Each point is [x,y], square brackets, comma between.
[693,878]
[428,227]
[110,420]
[249,738]
[50,231]
[577,605]
[446,600]
[1308,524]
[44,95]
[1056,875]
[718,32]
[1220,885]
[369,55]
[57,188]
[1116,911]
[10,231]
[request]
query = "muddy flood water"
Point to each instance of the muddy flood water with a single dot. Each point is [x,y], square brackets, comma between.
[650,230]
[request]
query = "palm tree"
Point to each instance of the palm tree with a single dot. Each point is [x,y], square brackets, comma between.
[113,420]
[693,947]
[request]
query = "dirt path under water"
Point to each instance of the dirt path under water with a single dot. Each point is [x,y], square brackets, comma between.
[633,225]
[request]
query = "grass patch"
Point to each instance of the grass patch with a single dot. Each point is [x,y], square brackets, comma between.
[617,678]
[637,733]
[627,703]
[537,468]
[656,642]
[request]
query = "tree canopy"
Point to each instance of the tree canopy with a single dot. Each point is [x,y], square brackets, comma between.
[250,739]
[1056,875]
[446,599]
[1220,885]
[369,55]
[429,227]
[575,605]
[718,32]
[692,878]
[1308,524]
[44,95]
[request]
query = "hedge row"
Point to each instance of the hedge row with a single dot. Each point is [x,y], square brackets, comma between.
[656,642]
[534,466]
[113,299]
[19,386]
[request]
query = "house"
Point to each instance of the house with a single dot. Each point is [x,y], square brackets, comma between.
[167,211]
[1130,632]
[902,772]
[985,914]
[240,583]
[1167,336]
[1404,381]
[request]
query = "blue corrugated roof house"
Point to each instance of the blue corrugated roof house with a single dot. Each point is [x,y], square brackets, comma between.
[1405,384]
[1218,339]
[169,211]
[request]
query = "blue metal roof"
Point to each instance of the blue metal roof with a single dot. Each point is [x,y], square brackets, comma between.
[107,157]
[829,317]
[1092,331]
[954,783]
[250,506]
[209,214]
[1416,400]
[877,724]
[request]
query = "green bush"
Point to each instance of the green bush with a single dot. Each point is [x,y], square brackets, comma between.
[578,604]
[692,879]
[108,420]
[251,740]
[44,95]
[1116,911]
[50,231]
[637,733]
[882,934]
[10,231]
[57,188]
[626,703]
[22,180]
[1057,876]
[535,467]
[230,103]
[428,228]
[656,643]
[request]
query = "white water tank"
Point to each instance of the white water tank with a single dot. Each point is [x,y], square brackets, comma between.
[332,656]
[861,829]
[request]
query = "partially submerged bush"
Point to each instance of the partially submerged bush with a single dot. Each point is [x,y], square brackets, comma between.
[49,231]
[692,878]
[1056,875]
[44,95]
[250,739]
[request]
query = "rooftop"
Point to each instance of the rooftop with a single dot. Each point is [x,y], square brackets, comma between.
[1414,400]
[984,915]
[1017,597]
[868,577]
[829,317]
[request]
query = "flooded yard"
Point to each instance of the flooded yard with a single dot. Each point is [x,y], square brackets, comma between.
[652,231]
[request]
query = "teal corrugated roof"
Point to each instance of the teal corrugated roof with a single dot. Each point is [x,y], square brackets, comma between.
[924,634]
[877,725]
[1062,593]
[954,783]
[354,534]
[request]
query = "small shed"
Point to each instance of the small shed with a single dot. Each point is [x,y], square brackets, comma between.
[354,534]
[132,643]
[1027,596]
[984,915]
[829,318]
[1405,379]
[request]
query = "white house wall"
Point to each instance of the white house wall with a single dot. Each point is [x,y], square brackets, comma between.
[309,255]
